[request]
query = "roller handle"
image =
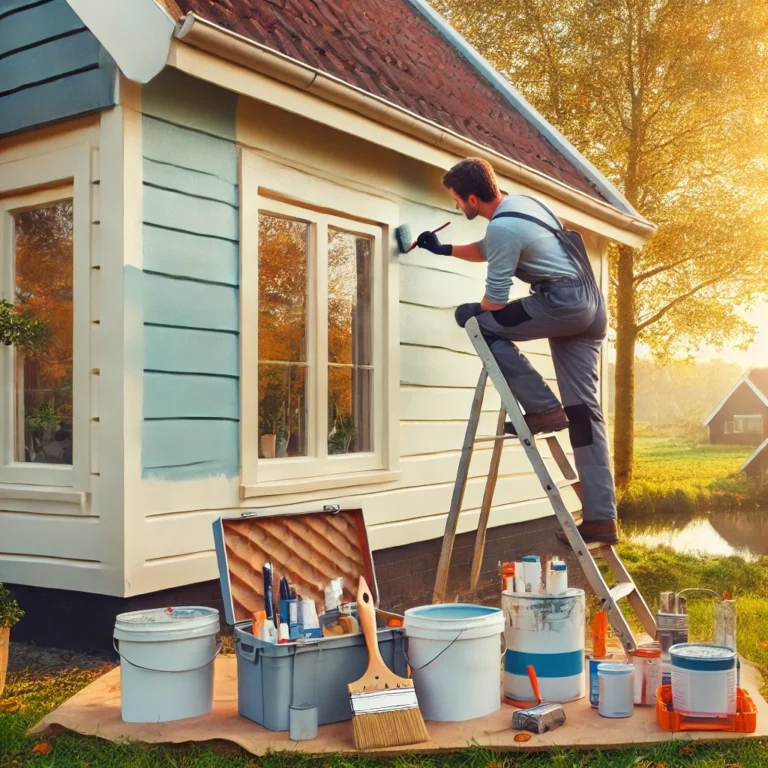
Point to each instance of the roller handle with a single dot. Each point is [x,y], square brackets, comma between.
[534,684]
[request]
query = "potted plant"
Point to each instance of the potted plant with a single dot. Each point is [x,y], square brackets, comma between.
[270,420]
[10,613]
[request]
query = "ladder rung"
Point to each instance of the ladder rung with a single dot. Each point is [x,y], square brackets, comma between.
[493,438]
[622,589]
[567,483]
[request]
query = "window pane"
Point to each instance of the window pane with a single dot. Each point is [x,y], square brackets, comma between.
[283,289]
[283,283]
[282,410]
[349,409]
[43,373]
[349,298]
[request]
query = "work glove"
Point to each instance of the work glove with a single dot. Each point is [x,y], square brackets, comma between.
[431,242]
[465,311]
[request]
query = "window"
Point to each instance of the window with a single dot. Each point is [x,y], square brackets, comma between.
[317,347]
[748,425]
[318,392]
[44,288]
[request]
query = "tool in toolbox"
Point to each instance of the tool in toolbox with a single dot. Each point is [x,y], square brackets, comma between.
[608,596]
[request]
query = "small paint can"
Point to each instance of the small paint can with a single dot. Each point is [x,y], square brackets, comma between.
[646,659]
[616,684]
[532,573]
[594,687]
[672,629]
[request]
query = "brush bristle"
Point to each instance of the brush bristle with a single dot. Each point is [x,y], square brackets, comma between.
[397,728]
[403,238]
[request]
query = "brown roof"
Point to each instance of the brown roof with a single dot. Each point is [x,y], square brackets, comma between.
[388,49]
[759,377]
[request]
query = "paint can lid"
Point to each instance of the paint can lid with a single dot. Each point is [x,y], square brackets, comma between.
[559,567]
[702,657]
[610,668]
[160,624]
[531,559]
[650,650]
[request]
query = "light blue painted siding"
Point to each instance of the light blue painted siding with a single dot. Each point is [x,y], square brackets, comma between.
[190,280]
[51,66]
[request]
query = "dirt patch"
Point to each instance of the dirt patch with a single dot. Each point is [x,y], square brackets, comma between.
[28,656]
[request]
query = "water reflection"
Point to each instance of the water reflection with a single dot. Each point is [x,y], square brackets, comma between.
[714,533]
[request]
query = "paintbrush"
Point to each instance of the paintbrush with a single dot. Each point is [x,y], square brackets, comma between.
[541,718]
[405,241]
[385,711]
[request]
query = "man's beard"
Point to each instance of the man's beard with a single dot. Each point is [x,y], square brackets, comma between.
[471,213]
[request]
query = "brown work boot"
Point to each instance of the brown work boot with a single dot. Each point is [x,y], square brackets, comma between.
[552,420]
[594,531]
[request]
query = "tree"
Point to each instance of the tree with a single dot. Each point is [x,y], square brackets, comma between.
[668,99]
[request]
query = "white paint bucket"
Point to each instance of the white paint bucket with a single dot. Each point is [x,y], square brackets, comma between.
[454,654]
[166,670]
[547,633]
[703,679]
[617,690]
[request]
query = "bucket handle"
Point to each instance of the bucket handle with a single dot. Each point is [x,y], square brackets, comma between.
[149,669]
[431,661]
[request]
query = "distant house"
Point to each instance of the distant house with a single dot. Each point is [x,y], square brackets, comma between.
[741,417]
[757,464]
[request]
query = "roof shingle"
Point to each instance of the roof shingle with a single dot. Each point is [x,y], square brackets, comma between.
[388,49]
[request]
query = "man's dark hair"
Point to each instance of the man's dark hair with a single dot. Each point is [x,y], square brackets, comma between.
[472,177]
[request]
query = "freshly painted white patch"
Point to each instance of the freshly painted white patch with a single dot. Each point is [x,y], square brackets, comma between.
[138,41]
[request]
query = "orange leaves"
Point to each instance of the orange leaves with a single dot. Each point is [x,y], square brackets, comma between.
[522,737]
[41,749]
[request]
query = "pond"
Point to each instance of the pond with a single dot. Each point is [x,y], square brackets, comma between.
[713,533]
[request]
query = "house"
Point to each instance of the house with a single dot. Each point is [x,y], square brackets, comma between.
[741,417]
[195,192]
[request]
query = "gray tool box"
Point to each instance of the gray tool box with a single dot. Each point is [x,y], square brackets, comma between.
[309,549]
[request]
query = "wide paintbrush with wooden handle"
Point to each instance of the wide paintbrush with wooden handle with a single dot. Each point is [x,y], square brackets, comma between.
[385,711]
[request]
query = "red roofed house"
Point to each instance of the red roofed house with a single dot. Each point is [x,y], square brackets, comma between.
[203,194]
[741,417]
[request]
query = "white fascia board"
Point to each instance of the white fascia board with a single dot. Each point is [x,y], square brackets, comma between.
[763,399]
[518,101]
[136,35]
[757,452]
[744,378]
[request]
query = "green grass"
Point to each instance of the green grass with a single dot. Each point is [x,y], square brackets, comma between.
[677,475]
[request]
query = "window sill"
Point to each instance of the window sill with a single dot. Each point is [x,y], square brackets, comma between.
[42,499]
[284,487]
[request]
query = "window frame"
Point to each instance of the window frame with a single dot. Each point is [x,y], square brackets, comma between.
[25,184]
[352,213]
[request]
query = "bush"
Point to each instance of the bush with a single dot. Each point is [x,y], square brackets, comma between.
[10,613]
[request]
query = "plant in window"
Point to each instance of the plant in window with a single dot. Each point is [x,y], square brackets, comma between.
[342,433]
[42,424]
[23,328]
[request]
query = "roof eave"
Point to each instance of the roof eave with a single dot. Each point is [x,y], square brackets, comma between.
[207,36]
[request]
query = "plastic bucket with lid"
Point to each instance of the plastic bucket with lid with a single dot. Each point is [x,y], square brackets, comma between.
[166,668]
[455,656]
[703,679]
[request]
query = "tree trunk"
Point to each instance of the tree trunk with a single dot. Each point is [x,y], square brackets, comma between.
[626,338]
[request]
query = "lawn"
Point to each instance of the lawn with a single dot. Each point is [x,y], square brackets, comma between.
[674,474]
[33,692]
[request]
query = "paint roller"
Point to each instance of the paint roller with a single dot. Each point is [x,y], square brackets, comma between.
[405,241]
[541,718]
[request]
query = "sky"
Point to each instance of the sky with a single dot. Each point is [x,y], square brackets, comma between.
[756,355]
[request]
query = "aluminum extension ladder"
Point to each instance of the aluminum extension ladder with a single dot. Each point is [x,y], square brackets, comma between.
[608,596]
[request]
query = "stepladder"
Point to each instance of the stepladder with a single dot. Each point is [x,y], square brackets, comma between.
[609,596]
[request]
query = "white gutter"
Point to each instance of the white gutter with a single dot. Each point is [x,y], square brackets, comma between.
[220,42]
[521,105]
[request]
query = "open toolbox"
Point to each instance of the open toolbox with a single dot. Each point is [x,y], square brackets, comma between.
[744,721]
[310,549]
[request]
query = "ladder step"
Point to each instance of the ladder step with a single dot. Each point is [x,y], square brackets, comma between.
[493,438]
[567,483]
[622,589]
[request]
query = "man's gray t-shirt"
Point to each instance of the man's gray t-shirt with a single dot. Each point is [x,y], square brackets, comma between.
[519,248]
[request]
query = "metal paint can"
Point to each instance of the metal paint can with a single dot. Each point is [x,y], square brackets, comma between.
[547,633]
[646,659]
[617,690]
[703,679]
[593,683]
[672,629]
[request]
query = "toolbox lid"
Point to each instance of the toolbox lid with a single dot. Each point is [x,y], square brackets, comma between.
[309,549]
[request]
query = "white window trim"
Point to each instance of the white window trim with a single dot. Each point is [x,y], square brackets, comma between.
[40,180]
[271,188]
